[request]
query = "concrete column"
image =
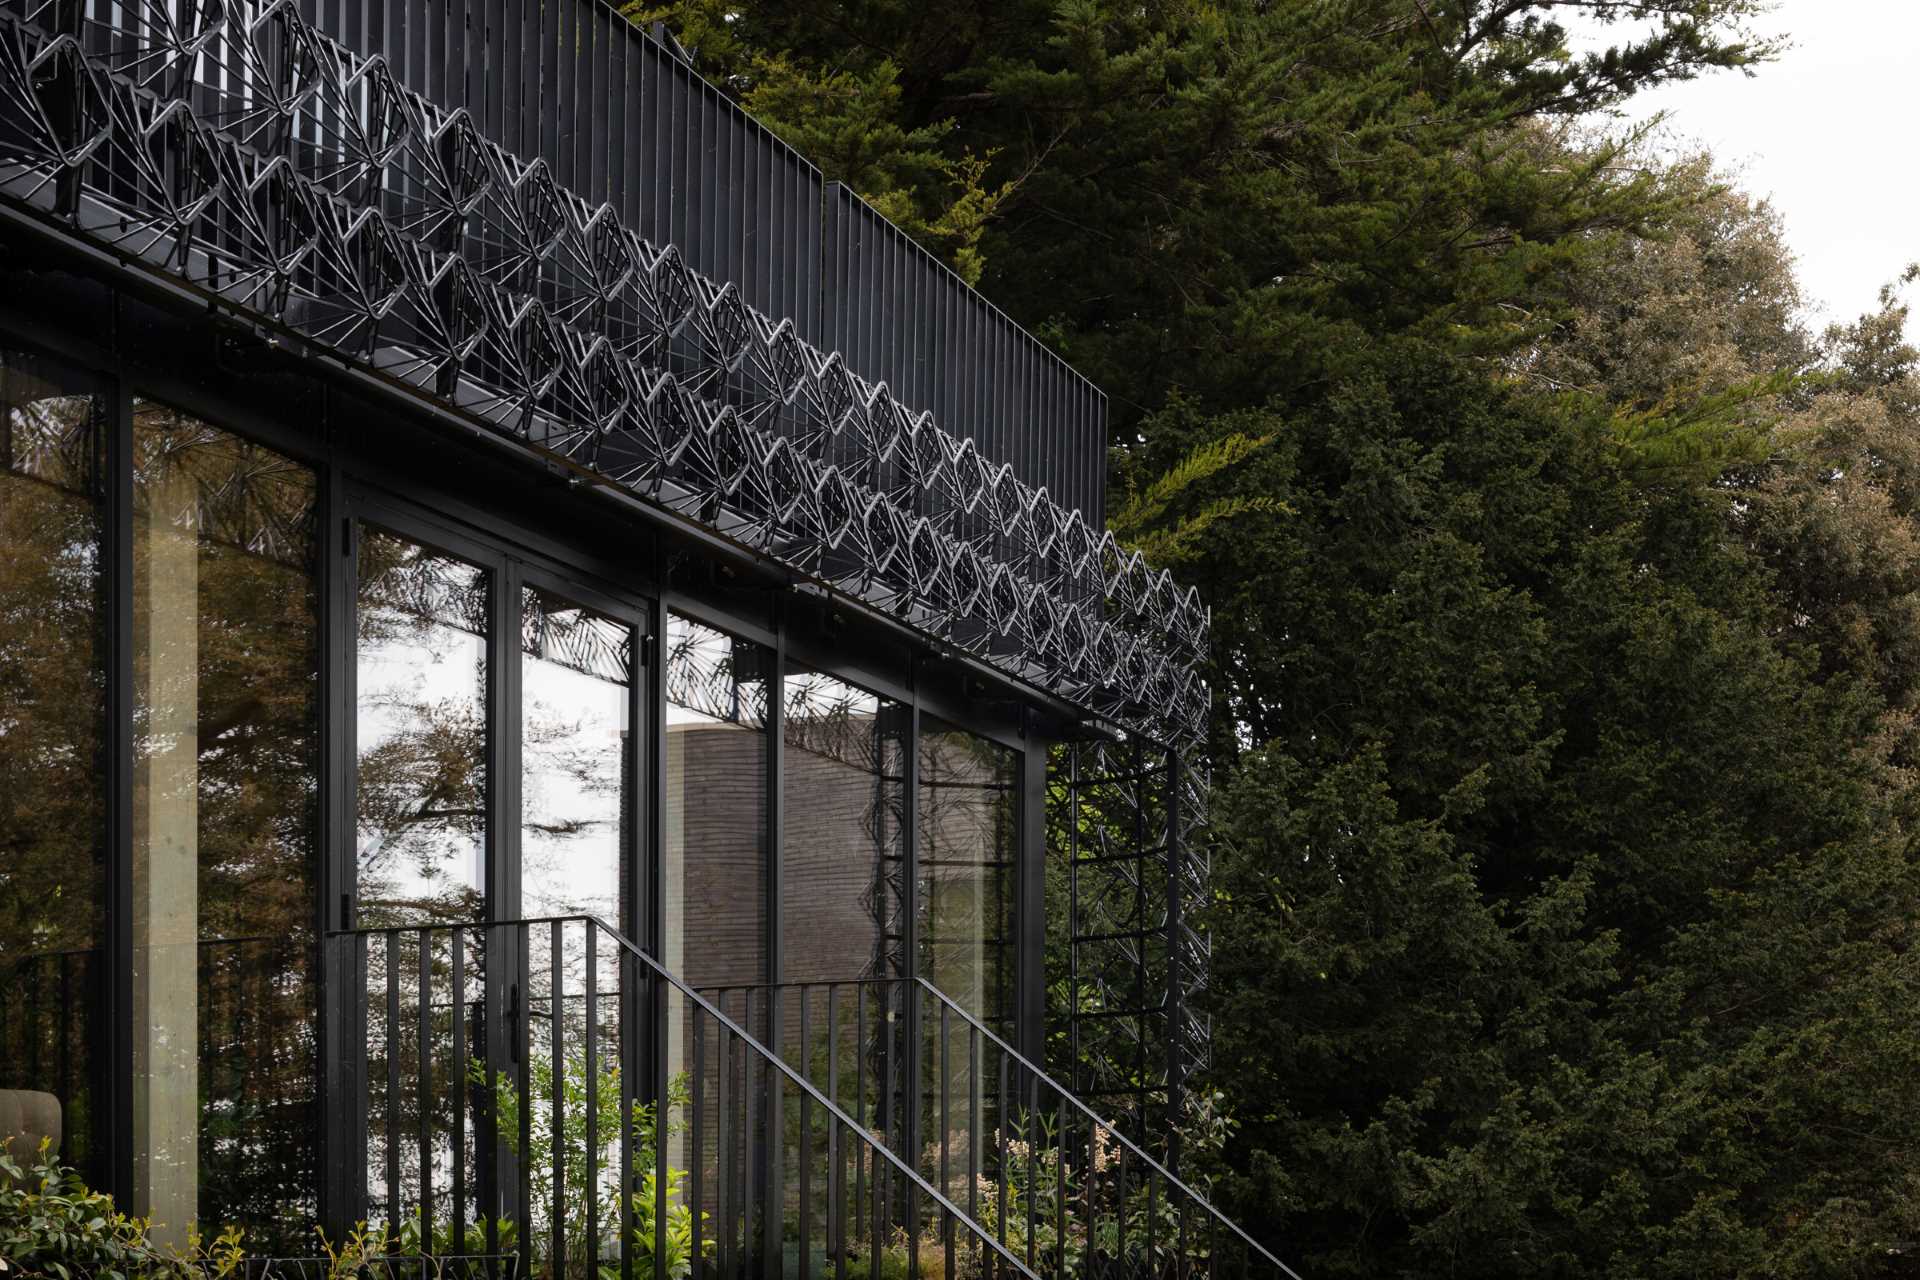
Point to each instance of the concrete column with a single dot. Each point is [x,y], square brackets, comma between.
[166,863]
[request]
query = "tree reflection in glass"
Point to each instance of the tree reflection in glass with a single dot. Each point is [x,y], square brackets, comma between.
[575,758]
[224,667]
[52,723]
[421,789]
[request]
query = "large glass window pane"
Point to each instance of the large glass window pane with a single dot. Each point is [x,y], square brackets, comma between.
[842,927]
[576,677]
[223,825]
[714,878]
[421,795]
[421,679]
[576,756]
[52,766]
[715,870]
[842,860]
[968,828]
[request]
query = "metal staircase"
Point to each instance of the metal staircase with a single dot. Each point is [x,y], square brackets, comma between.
[537,1097]
[1063,1190]
[865,1130]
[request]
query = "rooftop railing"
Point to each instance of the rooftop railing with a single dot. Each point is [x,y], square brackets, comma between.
[620,117]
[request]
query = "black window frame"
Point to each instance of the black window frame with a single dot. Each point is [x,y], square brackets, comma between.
[341,430]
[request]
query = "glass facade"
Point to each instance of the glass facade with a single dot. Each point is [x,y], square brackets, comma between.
[844,853]
[967,819]
[714,848]
[576,753]
[53,777]
[421,732]
[225,786]
[713,881]
[491,735]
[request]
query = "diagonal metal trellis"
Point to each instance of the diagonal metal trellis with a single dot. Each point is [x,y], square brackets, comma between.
[1127,871]
[233,148]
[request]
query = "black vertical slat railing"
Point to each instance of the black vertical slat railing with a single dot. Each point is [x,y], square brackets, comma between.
[1061,1189]
[616,115]
[643,1131]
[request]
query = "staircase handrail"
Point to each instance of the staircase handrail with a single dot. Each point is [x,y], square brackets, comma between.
[1066,1094]
[772,1059]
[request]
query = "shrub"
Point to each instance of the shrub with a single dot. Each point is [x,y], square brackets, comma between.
[52,1224]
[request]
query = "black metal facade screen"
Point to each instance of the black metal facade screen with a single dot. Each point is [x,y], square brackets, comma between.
[535,216]
[1127,876]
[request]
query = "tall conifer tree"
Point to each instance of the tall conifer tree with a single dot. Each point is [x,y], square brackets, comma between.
[1564,606]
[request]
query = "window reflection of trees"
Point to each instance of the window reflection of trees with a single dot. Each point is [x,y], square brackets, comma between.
[52,722]
[576,759]
[241,522]
[421,787]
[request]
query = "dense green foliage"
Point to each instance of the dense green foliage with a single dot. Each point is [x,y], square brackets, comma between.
[52,1225]
[1566,591]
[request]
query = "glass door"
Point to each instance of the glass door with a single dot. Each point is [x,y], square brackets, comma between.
[423,731]
[577,708]
[496,763]
[578,760]
[495,756]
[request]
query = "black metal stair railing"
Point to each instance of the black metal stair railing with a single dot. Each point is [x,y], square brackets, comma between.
[1062,1189]
[545,1089]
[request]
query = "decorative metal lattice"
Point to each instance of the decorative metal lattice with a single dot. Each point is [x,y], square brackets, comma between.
[715,675]
[1190,879]
[245,497]
[561,632]
[232,147]
[1127,874]
[404,585]
[47,437]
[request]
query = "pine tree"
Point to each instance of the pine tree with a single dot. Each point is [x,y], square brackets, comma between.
[1564,625]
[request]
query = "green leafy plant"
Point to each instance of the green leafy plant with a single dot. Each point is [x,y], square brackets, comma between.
[53,1224]
[409,1240]
[582,1196]
[1151,520]
[356,1252]
[1075,1217]
[350,1257]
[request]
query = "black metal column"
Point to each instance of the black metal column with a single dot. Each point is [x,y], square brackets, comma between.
[771,1153]
[1030,902]
[342,1051]
[115,1126]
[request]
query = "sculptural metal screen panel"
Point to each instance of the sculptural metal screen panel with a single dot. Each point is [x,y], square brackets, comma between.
[1127,877]
[620,118]
[238,150]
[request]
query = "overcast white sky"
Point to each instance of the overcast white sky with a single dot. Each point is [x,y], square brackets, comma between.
[1827,132]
